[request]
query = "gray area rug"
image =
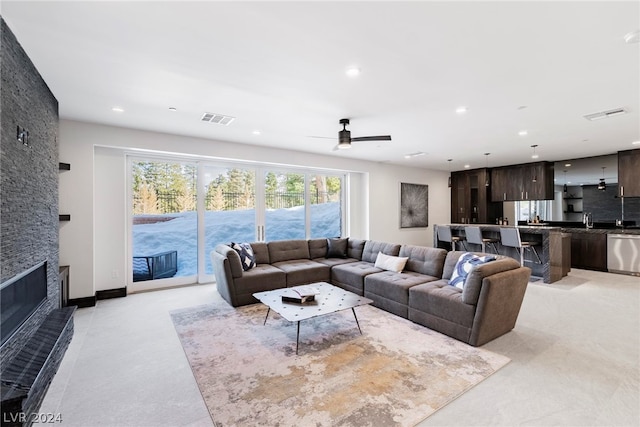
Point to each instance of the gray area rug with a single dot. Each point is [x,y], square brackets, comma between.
[396,373]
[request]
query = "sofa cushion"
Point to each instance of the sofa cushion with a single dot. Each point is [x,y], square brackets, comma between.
[261,252]
[394,286]
[429,261]
[390,263]
[371,249]
[335,261]
[303,271]
[247,258]
[355,248]
[442,300]
[466,263]
[263,277]
[286,250]
[317,248]
[337,248]
[352,274]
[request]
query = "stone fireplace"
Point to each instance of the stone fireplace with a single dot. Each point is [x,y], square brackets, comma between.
[33,325]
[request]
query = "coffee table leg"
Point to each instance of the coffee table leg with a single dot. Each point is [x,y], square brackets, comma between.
[265,317]
[297,337]
[357,323]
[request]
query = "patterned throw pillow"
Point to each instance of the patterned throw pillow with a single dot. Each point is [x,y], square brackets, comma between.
[247,258]
[465,264]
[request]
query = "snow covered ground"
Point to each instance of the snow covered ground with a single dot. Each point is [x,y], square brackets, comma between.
[180,233]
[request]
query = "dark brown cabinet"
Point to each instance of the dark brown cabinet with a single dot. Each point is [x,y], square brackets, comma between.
[589,251]
[628,175]
[529,181]
[470,203]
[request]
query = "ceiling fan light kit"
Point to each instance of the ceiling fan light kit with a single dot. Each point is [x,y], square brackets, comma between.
[345,140]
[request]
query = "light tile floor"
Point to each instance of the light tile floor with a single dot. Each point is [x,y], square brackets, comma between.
[575,362]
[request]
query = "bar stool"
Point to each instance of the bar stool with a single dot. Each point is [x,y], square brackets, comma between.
[474,235]
[444,235]
[511,237]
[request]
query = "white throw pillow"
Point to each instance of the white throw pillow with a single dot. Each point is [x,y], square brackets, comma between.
[391,263]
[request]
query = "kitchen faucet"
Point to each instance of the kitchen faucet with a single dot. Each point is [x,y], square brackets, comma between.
[587,220]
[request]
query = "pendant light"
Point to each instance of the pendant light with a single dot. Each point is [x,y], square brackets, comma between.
[449,160]
[602,186]
[486,182]
[534,156]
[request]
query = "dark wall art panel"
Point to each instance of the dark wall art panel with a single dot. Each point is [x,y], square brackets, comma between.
[414,205]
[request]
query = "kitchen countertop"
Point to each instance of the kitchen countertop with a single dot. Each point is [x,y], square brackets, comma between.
[538,229]
[634,231]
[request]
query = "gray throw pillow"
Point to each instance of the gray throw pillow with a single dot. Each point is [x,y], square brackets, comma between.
[337,248]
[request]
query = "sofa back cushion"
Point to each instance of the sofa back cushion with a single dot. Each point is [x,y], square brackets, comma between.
[473,282]
[372,247]
[317,248]
[424,260]
[234,259]
[261,252]
[286,250]
[355,248]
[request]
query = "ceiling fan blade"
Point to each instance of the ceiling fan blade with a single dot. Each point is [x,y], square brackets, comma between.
[322,137]
[372,138]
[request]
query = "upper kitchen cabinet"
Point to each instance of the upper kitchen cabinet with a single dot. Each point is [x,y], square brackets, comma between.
[628,173]
[529,181]
[470,202]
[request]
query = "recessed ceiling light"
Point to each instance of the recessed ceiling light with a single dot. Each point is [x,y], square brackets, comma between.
[522,107]
[461,110]
[353,71]
[173,109]
[256,132]
[467,166]
[118,109]
[632,37]
[523,133]
[635,143]
[567,165]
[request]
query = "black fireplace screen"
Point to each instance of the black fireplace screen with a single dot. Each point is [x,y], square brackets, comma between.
[20,296]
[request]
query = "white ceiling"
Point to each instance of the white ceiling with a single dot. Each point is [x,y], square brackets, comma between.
[279,67]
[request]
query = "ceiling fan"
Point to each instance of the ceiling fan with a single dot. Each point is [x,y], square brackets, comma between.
[345,140]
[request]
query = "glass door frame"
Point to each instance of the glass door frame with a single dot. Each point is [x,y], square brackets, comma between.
[260,209]
[157,283]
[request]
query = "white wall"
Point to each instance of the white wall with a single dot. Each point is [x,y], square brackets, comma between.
[110,219]
[94,192]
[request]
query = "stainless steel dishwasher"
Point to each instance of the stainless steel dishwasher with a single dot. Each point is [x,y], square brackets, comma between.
[623,253]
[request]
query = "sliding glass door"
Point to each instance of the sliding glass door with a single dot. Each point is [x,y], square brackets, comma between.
[180,211]
[163,223]
[229,208]
[285,206]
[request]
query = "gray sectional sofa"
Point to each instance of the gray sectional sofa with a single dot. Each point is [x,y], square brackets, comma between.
[485,309]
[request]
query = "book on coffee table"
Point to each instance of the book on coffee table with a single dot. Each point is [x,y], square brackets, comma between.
[300,294]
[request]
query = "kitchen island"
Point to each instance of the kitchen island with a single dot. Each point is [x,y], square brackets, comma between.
[552,244]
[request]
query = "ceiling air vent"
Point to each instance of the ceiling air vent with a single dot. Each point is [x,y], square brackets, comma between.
[220,119]
[605,114]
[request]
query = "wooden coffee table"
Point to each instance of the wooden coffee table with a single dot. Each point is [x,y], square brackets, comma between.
[330,300]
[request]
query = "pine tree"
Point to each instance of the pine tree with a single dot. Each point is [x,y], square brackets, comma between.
[147,201]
